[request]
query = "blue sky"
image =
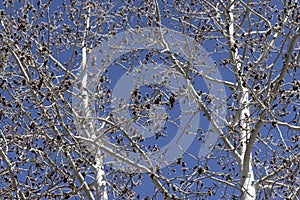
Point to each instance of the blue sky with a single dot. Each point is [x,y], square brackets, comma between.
[115,71]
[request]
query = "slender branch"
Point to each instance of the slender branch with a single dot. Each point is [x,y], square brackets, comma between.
[26,75]
[295,195]
[227,83]
[12,174]
[256,13]
[196,96]
[275,90]
[292,127]
[80,178]
[224,181]
[78,174]
[269,176]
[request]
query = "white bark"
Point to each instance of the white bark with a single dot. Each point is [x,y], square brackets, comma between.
[246,172]
[101,192]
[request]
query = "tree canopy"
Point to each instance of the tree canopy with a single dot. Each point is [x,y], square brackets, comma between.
[149,99]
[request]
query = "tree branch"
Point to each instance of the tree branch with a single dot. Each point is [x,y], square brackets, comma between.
[12,174]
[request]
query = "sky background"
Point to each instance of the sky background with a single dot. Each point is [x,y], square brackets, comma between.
[116,71]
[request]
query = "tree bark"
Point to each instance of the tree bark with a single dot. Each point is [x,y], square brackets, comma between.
[101,193]
[246,172]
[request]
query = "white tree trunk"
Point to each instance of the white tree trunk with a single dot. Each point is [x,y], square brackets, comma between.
[101,193]
[101,184]
[246,172]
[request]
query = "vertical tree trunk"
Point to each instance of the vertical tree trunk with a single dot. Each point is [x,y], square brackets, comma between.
[101,184]
[101,193]
[246,172]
